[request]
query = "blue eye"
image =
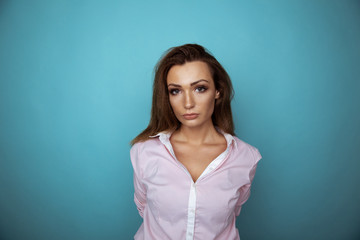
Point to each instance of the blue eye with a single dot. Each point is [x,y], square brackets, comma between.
[174,91]
[200,89]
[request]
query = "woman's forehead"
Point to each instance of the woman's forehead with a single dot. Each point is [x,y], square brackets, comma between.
[189,73]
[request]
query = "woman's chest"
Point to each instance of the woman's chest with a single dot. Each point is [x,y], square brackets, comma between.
[197,159]
[169,187]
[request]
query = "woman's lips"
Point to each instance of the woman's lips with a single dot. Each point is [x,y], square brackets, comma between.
[190,116]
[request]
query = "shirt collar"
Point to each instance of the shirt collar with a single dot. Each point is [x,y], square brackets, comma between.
[164,137]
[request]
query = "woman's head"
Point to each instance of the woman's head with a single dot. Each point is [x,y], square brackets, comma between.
[192,94]
[162,114]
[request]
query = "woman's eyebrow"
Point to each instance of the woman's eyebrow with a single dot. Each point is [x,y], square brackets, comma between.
[173,84]
[198,82]
[191,84]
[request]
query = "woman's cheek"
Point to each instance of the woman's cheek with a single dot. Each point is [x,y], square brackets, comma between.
[174,103]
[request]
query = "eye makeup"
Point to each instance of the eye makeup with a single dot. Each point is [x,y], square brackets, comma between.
[201,88]
[174,91]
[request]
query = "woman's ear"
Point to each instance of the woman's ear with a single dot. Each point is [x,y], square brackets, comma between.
[217,94]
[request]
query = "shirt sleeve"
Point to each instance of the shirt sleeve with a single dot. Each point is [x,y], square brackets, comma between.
[245,190]
[139,188]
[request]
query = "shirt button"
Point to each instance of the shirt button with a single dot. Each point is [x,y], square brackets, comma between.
[190,234]
[192,210]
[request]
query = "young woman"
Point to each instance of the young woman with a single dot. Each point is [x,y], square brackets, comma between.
[191,174]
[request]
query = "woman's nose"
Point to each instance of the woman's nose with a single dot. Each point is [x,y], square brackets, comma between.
[189,101]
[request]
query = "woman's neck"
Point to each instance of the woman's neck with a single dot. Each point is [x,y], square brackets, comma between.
[205,134]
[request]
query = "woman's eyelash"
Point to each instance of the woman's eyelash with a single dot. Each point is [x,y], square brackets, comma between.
[201,89]
[174,91]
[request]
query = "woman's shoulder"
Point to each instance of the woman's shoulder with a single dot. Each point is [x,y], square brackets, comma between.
[245,149]
[152,142]
[142,152]
[147,148]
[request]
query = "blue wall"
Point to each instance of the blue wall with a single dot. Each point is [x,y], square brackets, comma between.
[75,88]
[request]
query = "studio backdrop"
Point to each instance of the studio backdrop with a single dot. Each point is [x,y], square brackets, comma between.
[76,85]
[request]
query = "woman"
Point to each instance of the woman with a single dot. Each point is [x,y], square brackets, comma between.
[191,174]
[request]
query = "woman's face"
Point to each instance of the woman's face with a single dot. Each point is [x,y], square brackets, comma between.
[192,93]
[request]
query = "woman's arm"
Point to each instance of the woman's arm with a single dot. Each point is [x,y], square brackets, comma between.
[245,190]
[139,188]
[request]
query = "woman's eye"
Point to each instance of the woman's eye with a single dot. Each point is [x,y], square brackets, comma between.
[200,89]
[174,91]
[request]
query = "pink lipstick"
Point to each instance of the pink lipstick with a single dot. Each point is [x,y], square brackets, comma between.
[190,116]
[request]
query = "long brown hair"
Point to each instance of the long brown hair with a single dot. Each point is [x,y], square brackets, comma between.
[162,115]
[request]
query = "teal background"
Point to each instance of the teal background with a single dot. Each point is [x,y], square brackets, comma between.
[75,88]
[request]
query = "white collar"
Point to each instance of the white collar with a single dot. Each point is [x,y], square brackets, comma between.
[164,137]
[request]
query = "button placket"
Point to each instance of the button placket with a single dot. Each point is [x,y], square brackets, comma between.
[191,212]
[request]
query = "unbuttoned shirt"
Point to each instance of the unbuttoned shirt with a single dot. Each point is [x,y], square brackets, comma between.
[173,206]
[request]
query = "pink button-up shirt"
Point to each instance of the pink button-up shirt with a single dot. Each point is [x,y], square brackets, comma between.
[173,206]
